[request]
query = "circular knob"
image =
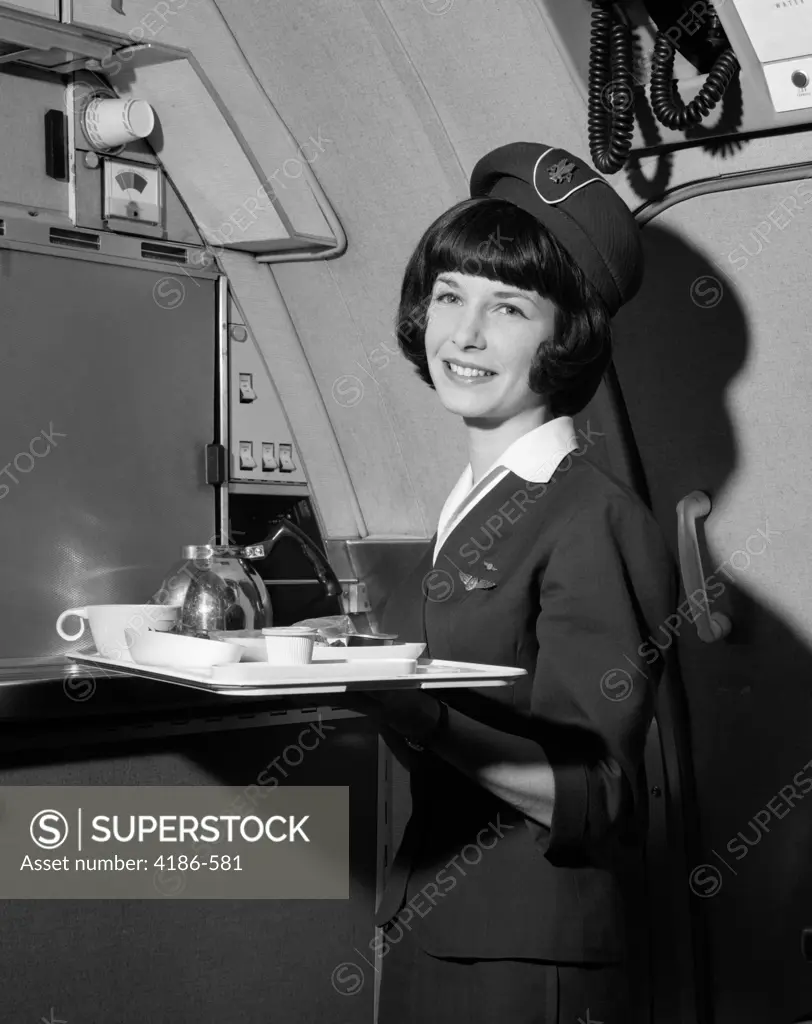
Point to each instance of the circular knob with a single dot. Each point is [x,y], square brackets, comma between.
[800,78]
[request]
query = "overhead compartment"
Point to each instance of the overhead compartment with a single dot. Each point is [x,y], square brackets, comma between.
[48,8]
[220,137]
[237,202]
[33,41]
[244,178]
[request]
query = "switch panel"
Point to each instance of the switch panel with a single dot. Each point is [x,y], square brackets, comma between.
[262,448]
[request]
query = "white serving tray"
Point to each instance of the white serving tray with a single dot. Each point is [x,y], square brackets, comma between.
[262,679]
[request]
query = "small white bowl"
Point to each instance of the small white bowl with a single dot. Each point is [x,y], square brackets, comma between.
[170,650]
[253,647]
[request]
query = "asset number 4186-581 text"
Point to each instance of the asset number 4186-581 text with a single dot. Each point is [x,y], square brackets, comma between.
[212,862]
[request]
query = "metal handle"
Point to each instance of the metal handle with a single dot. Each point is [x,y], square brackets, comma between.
[285,528]
[709,625]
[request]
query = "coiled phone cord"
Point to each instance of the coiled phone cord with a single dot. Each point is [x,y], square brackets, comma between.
[611,90]
[666,102]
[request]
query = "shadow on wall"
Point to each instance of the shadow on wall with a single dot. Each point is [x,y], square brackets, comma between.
[678,348]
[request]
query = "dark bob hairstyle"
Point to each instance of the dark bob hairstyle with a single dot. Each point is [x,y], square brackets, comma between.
[493,238]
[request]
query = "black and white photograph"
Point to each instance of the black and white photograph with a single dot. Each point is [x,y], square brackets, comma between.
[405,517]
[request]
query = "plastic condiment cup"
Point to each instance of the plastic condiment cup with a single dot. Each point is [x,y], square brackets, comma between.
[289,645]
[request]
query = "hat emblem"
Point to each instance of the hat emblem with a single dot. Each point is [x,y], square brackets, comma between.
[562,171]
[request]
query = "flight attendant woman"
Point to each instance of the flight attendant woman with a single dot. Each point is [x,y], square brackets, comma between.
[505,902]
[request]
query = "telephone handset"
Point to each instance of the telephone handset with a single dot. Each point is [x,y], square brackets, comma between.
[694,29]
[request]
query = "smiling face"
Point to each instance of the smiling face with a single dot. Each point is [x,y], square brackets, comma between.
[481,339]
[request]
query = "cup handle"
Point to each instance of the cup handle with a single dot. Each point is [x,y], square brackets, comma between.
[81,614]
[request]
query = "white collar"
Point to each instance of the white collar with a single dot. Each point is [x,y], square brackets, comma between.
[534,456]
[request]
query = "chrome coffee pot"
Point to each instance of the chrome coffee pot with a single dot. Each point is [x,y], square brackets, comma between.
[217,588]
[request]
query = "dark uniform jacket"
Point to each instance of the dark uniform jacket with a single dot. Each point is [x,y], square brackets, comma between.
[584,581]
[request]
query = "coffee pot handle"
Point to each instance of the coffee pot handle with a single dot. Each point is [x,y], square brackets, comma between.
[285,528]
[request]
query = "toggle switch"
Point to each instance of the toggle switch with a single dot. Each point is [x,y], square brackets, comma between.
[286,463]
[269,463]
[247,460]
[247,393]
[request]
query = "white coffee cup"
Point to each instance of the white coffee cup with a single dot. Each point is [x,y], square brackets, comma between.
[110,122]
[108,621]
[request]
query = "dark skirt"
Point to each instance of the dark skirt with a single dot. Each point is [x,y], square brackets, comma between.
[417,988]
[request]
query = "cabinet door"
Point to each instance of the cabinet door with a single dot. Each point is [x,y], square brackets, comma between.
[47,8]
[107,399]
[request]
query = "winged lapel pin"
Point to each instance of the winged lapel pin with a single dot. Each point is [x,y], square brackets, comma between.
[474,582]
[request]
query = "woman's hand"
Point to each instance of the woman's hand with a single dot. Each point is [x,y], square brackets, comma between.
[511,767]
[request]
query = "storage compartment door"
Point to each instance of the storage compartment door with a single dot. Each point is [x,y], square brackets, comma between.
[107,400]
